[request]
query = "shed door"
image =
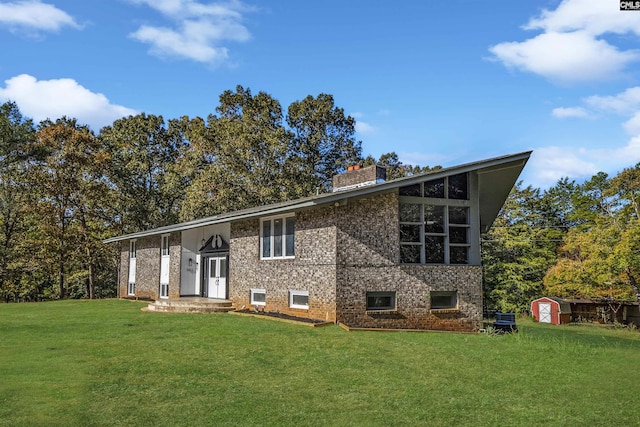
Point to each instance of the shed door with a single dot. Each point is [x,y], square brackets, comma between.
[544,312]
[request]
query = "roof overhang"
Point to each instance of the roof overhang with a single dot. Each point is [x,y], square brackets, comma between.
[496,177]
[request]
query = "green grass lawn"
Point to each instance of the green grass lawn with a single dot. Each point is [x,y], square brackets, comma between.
[104,363]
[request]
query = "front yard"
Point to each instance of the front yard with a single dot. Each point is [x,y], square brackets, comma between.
[95,363]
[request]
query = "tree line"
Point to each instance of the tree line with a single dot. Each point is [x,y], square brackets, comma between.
[570,241]
[64,188]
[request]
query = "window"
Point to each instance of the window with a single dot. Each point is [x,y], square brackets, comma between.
[164,290]
[434,230]
[277,237]
[454,187]
[443,300]
[258,297]
[131,289]
[381,301]
[165,245]
[132,249]
[299,299]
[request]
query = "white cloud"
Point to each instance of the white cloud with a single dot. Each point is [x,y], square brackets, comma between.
[569,48]
[575,56]
[632,126]
[198,29]
[33,15]
[549,164]
[562,112]
[622,103]
[594,16]
[366,128]
[42,99]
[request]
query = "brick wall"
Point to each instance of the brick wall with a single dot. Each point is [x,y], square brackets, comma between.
[148,267]
[368,260]
[312,269]
[368,175]
[344,252]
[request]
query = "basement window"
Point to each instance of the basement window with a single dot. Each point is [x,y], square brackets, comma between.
[131,289]
[258,297]
[442,300]
[385,300]
[299,299]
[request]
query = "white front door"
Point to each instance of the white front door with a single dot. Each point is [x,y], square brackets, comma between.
[217,278]
[544,312]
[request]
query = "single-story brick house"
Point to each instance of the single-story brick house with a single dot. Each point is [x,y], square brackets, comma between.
[373,253]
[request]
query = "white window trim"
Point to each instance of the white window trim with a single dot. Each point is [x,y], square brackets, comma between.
[258,291]
[133,249]
[298,293]
[272,237]
[162,248]
[131,288]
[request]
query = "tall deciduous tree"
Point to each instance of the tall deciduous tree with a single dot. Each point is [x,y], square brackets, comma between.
[16,137]
[69,185]
[143,155]
[323,143]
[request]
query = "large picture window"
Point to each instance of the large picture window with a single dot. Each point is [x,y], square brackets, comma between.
[277,237]
[435,221]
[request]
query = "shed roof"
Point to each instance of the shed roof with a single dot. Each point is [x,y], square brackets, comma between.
[496,177]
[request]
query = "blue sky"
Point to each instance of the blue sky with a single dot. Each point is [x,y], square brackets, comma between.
[438,82]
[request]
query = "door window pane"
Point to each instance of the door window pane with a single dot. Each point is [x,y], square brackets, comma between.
[212,268]
[223,267]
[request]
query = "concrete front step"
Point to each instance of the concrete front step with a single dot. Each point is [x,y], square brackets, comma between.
[191,305]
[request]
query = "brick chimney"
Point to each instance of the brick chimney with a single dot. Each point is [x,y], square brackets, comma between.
[357,176]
